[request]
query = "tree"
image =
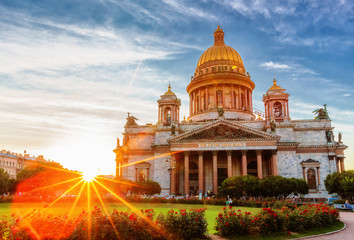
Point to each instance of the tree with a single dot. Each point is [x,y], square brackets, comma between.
[341,184]
[233,186]
[251,186]
[151,187]
[301,187]
[4,181]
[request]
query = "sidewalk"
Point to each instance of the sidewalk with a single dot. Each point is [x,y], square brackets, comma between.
[346,234]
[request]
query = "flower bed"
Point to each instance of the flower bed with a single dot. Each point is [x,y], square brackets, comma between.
[233,222]
[127,225]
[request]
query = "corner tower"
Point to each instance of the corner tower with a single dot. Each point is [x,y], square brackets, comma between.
[169,108]
[276,103]
[220,81]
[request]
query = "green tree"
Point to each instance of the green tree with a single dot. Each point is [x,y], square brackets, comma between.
[151,188]
[251,186]
[301,187]
[341,184]
[4,181]
[234,186]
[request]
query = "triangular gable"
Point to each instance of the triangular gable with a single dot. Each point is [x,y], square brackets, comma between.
[223,130]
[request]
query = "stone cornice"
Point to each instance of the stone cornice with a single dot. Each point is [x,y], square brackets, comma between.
[265,136]
[314,129]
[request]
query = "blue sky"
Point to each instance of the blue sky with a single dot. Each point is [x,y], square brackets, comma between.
[71,70]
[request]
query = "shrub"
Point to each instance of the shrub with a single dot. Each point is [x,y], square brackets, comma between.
[269,221]
[183,224]
[231,222]
[339,201]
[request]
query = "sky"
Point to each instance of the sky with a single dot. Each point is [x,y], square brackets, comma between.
[70,70]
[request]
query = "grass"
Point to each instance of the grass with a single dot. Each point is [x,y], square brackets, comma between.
[211,213]
[64,209]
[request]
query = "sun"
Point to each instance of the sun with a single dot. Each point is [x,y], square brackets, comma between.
[88,176]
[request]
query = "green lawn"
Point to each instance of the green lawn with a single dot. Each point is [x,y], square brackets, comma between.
[211,213]
[64,208]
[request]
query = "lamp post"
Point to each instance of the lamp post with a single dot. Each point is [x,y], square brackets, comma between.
[170,171]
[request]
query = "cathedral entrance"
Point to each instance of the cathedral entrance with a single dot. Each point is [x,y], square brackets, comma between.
[252,168]
[193,178]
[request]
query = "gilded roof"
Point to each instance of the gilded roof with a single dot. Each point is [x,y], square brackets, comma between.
[275,86]
[169,92]
[219,51]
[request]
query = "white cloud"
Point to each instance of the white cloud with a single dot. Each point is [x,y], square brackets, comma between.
[184,9]
[273,65]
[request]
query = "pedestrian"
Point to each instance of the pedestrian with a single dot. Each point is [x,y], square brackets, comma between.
[228,200]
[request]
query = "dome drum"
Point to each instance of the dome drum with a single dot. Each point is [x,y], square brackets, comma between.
[220,81]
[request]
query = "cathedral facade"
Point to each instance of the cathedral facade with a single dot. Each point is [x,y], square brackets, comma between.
[225,136]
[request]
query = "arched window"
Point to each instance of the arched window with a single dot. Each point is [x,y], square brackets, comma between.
[277,109]
[219,98]
[167,114]
[311,178]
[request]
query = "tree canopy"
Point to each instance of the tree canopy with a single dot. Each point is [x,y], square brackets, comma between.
[341,184]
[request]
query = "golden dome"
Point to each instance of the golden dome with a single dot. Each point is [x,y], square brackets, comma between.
[275,86]
[220,51]
[169,92]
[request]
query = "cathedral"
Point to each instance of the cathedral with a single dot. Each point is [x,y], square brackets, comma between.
[224,136]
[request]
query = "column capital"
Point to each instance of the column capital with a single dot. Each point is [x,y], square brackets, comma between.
[259,152]
[244,152]
[200,153]
[229,152]
[186,153]
[215,152]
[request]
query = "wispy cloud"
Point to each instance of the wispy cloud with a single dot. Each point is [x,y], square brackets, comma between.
[273,65]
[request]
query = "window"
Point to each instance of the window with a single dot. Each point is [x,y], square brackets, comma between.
[277,109]
[219,98]
[167,114]
[311,178]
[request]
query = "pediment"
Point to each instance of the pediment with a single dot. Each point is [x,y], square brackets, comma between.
[223,130]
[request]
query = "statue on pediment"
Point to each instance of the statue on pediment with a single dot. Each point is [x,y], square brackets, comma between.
[340,134]
[330,136]
[273,125]
[221,112]
[321,113]
[173,129]
[131,121]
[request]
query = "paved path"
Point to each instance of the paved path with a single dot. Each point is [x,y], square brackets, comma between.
[346,234]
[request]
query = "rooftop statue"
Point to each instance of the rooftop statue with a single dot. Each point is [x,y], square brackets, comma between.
[131,120]
[321,113]
[221,112]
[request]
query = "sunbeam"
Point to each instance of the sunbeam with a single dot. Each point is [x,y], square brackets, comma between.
[151,158]
[105,209]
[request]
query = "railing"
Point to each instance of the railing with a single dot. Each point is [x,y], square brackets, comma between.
[259,113]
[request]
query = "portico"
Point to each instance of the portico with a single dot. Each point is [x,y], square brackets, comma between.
[210,154]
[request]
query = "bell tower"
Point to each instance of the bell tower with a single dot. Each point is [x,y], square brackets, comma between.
[276,104]
[169,108]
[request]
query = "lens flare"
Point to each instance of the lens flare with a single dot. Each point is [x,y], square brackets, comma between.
[88,176]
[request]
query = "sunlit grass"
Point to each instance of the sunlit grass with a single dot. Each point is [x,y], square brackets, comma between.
[66,209]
